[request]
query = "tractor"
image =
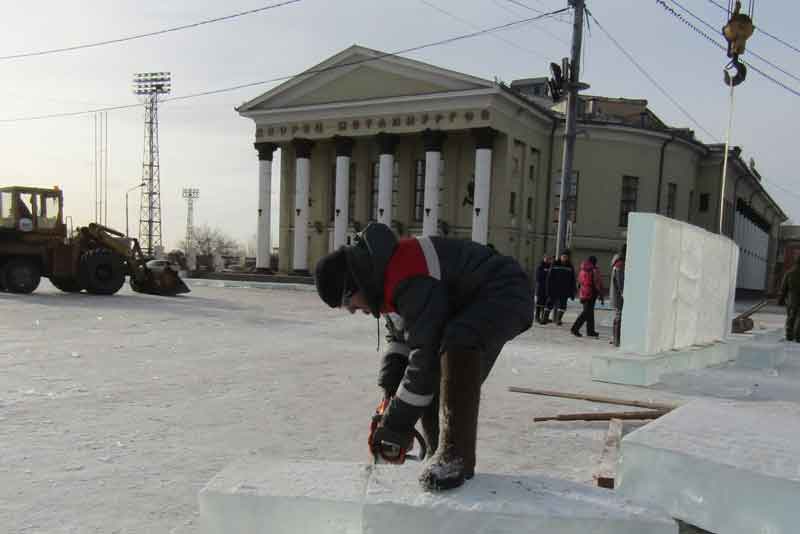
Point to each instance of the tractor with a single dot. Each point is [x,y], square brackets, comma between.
[34,242]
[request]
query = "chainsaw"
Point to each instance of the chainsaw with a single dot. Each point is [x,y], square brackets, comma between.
[393,453]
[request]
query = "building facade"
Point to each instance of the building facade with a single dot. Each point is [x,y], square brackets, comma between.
[366,136]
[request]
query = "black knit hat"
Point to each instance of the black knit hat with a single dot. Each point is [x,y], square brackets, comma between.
[333,278]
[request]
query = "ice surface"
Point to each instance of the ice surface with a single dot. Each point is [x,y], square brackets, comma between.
[268,496]
[501,504]
[727,467]
[679,285]
[279,497]
[761,355]
[639,370]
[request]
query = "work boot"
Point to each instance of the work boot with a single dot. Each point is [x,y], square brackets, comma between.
[430,426]
[540,314]
[576,333]
[559,314]
[454,461]
[546,317]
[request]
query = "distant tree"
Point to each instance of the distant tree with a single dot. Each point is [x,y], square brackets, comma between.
[212,241]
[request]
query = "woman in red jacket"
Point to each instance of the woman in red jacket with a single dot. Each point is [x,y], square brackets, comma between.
[591,289]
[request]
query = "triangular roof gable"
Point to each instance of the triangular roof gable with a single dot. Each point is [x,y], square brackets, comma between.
[359,73]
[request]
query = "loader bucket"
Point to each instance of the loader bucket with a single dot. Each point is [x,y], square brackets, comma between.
[166,282]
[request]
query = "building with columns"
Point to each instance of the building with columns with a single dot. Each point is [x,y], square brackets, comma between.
[366,136]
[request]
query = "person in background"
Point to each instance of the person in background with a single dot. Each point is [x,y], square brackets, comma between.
[560,287]
[616,292]
[591,288]
[790,297]
[541,288]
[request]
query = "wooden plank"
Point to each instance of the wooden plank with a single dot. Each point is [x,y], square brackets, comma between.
[595,398]
[607,470]
[602,416]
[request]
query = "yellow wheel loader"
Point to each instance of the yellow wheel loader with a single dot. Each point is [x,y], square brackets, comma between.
[34,242]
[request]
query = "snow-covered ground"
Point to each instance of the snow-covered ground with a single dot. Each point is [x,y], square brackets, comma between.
[115,411]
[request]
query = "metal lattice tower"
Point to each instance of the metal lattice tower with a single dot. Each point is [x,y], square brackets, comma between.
[190,194]
[150,85]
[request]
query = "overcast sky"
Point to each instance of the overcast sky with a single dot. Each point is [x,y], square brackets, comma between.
[205,144]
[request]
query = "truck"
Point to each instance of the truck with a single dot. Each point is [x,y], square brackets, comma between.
[35,243]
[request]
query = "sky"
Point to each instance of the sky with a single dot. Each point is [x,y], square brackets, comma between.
[206,144]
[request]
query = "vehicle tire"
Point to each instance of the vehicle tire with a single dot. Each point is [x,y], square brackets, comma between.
[67,284]
[103,271]
[21,275]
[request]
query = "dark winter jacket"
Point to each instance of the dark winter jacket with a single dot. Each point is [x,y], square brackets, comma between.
[617,282]
[790,289]
[541,282]
[419,284]
[561,281]
[590,282]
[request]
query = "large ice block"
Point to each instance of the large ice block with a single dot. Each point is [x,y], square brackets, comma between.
[502,504]
[679,285]
[257,496]
[261,496]
[725,466]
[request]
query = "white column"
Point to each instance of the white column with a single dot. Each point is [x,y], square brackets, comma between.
[385,179]
[430,214]
[483,186]
[341,215]
[263,233]
[302,181]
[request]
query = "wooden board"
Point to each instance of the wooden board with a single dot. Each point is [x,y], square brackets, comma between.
[607,470]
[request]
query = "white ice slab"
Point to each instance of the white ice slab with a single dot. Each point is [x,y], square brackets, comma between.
[726,467]
[263,496]
[761,355]
[502,504]
[679,285]
[644,370]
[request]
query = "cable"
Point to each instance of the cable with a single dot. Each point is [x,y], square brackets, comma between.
[723,47]
[649,77]
[473,26]
[761,30]
[555,36]
[305,73]
[150,34]
[750,50]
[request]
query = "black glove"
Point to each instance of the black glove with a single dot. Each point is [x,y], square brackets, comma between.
[393,367]
[385,435]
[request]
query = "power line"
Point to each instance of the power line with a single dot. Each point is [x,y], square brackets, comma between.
[760,29]
[541,29]
[647,75]
[305,73]
[750,50]
[149,34]
[474,26]
[719,45]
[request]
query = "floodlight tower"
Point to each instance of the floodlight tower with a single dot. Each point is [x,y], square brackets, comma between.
[150,85]
[190,194]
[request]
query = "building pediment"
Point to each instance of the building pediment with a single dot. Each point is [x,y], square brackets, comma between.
[360,73]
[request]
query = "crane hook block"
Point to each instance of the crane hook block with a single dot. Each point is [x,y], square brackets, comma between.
[739,76]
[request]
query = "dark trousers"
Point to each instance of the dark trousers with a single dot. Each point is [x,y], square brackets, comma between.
[617,325]
[793,323]
[559,303]
[586,316]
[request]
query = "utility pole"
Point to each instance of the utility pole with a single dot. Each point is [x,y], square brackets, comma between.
[573,85]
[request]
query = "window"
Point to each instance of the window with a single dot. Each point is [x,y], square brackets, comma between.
[572,197]
[531,171]
[516,164]
[630,194]
[691,204]
[704,201]
[529,210]
[672,195]
[512,208]
[351,193]
[375,187]
[419,189]
[6,215]
[48,212]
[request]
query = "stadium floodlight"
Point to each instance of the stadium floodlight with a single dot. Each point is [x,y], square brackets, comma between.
[152,83]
